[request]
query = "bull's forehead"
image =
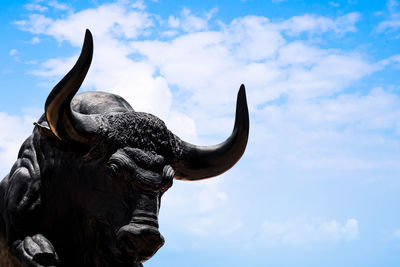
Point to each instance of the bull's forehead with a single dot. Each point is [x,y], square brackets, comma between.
[145,170]
[140,130]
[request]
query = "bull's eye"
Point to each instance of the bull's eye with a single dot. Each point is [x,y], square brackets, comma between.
[113,169]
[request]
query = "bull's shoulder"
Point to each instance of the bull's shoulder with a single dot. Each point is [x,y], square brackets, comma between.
[20,191]
[99,103]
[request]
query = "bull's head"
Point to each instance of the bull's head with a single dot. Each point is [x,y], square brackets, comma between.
[130,158]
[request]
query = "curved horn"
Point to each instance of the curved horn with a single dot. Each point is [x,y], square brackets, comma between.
[200,162]
[65,123]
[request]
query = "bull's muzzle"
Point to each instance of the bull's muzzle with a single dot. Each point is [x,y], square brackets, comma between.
[140,239]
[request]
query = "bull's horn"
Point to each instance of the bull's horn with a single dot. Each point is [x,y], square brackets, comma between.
[65,123]
[200,162]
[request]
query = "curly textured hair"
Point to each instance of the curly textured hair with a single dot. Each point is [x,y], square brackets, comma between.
[140,130]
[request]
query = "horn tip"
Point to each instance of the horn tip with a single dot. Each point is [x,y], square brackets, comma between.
[87,32]
[88,41]
[241,98]
[242,111]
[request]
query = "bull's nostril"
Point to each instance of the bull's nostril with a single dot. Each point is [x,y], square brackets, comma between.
[139,241]
[127,242]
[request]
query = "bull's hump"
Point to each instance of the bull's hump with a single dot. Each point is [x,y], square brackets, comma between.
[99,103]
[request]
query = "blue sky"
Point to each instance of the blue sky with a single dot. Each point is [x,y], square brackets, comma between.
[319,183]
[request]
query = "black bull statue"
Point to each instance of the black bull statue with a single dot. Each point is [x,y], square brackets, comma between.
[86,187]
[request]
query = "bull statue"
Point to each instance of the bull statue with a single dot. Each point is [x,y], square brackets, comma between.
[87,184]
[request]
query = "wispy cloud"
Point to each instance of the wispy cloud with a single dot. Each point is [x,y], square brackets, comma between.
[190,22]
[304,230]
[334,4]
[35,40]
[139,5]
[392,23]
[37,23]
[35,7]
[314,24]
[13,52]
[58,5]
[16,129]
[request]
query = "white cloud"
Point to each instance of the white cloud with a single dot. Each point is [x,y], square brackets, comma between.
[35,40]
[6,71]
[314,24]
[139,5]
[121,21]
[15,129]
[189,22]
[203,207]
[58,5]
[313,72]
[392,5]
[390,61]
[334,4]
[170,33]
[371,111]
[392,23]
[336,135]
[37,23]
[173,22]
[35,7]
[303,230]
[13,52]
[253,38]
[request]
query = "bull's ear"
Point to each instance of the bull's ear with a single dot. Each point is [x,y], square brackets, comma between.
[45,132]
